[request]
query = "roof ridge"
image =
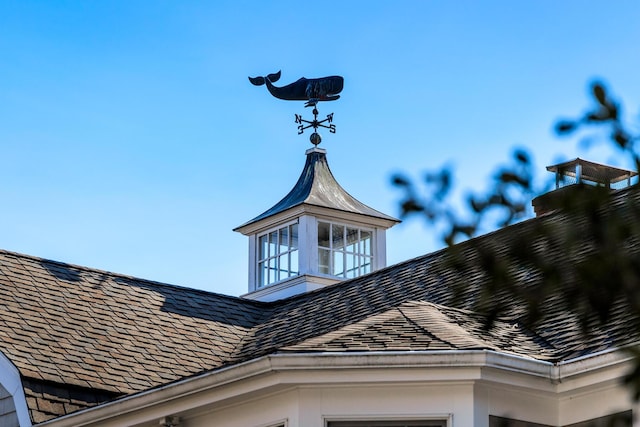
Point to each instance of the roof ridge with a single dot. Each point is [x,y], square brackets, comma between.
[353,327]
[523,329]
[453,326]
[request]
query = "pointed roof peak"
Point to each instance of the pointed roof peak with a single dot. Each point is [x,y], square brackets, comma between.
[317,186]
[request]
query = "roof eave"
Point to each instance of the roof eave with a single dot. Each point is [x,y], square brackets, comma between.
[294,212]
[155,403]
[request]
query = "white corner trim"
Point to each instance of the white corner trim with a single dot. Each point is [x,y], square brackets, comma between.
[10,380]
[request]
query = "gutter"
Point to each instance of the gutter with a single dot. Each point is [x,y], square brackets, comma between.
[283,362]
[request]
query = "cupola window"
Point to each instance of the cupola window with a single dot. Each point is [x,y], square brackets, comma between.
[278,255]
[344,250]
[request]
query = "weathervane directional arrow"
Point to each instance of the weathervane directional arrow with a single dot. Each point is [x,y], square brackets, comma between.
[315,123]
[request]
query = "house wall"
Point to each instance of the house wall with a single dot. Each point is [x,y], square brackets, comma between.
[598,402]
[516,403]
[463,405]
[312,406]
[553,409]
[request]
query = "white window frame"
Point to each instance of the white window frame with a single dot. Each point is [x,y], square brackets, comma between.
[372,256]
[293,269]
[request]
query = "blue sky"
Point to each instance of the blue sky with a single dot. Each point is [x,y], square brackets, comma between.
[133,142]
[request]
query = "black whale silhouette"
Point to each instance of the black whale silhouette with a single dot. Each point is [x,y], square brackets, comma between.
[310,90]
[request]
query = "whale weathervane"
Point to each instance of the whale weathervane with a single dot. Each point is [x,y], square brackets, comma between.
[310,90]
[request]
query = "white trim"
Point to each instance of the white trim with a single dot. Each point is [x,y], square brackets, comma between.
[308,242]
[460,366]
[315,149]
[253,262]
[307,209]
[292,286]
[380,241]
[10,380]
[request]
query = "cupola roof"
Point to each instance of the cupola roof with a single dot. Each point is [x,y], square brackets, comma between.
[318,187]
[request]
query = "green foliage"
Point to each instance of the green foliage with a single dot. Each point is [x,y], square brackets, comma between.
[579,265]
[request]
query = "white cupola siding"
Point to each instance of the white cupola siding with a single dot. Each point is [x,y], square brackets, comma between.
[317,235]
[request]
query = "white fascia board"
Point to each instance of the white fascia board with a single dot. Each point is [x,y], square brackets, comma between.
[321,211]
[594,361]
[291,286]
[606,366]
[461,366]
[10,380]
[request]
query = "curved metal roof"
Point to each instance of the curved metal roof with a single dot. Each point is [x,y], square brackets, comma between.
[317,186]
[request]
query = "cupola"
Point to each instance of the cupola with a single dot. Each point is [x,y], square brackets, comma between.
[316,236]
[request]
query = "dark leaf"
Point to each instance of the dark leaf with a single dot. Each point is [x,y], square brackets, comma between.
[600,93]
[400,181]
[600,116]
[613,111]
[476,205]
[513,178]
[411,205]
[566,126]
[522,157]
[621,138]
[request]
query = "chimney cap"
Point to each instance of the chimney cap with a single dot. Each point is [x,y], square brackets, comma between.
[583,170]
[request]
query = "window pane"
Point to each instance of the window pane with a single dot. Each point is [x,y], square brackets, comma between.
[263,251]
[366,265]
[365,237]
[352,266]
[294,263]
[349,250]
[337,236]
[273,240]
[323,234]
[338,264]
[352,239]
[277,255]
[263,274]
[323,261]
[284,266]
[272,270]
[284,240]
[294,236]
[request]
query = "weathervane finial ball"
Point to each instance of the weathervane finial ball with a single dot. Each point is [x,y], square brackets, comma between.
[315,138]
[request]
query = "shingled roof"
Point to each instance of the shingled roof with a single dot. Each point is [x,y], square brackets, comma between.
[80,337]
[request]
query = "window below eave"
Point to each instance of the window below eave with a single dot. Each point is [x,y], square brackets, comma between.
[343,250]
[278,255]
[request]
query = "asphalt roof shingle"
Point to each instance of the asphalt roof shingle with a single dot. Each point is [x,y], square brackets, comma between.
[80,336]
